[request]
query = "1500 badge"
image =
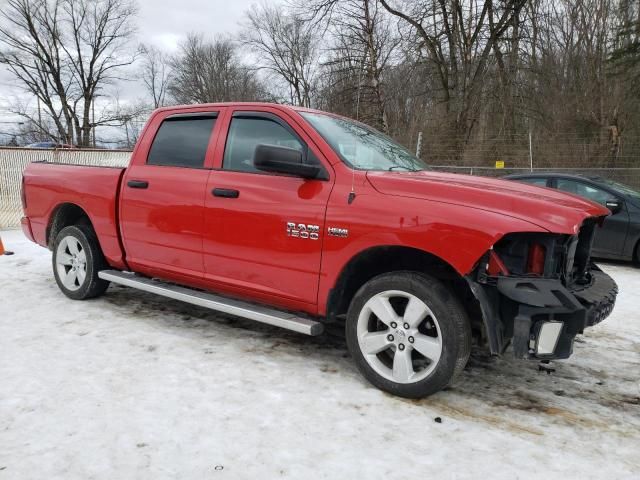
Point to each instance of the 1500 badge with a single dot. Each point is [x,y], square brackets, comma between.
[302,230]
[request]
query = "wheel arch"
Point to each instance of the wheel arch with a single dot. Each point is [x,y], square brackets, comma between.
[375,261]
[64,215]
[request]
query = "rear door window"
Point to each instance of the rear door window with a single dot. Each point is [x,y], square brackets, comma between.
[182,142]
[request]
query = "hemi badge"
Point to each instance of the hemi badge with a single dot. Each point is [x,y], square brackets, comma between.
[338,232]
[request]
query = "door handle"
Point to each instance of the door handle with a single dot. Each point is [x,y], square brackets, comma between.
[225,192]
[137,184]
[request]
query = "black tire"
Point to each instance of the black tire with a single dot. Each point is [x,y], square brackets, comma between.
[91,286]
[455,331]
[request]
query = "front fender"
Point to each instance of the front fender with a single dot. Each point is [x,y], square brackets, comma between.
[457,235]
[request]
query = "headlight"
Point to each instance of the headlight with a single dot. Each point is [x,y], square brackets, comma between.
[527,254]
[536,259]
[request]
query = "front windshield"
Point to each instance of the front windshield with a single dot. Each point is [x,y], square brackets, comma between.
[362,147]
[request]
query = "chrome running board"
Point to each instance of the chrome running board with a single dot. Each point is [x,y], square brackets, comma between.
[219,303]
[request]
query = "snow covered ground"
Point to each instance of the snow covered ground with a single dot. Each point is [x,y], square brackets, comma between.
[135,386]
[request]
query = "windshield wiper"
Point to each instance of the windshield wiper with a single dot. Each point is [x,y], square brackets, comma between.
[391,169]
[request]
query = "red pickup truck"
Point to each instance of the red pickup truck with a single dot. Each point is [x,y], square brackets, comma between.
[300,219]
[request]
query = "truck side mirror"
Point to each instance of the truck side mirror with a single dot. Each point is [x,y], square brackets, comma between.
[288,161]
[614,204]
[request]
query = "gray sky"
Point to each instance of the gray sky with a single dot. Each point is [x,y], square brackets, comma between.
[162,23]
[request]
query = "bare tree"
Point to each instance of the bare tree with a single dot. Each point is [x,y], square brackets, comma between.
[361,48]
[156,74]
[477,77]
[65,52]
[457,38]
[211,71]
[285,46]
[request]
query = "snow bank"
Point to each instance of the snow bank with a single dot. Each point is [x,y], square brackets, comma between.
[134,386]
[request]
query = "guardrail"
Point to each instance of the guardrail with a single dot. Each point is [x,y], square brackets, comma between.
[13,161]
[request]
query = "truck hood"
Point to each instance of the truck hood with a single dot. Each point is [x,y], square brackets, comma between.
[552,210]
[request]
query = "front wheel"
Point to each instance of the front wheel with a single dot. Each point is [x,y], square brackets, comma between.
[77,259]
[408,334]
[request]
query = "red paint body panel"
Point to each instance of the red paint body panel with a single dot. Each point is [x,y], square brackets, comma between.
[94,189]
[162,226]
[549,209]
[177,230]
[245,242]
[457,234]
[26,228]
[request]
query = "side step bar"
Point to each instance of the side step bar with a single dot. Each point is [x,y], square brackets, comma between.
[219,303]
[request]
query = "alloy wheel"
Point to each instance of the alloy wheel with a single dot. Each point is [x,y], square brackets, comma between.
[399,336]
[71,263]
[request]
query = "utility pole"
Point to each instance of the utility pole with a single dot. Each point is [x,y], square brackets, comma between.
[530,153]
[419,145]
[93,122]
[126,128]
[359,87]
[39,116]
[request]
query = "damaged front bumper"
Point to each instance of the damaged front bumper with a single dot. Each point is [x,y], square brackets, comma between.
[540,316]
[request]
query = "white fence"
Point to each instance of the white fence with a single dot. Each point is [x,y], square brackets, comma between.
[13,161]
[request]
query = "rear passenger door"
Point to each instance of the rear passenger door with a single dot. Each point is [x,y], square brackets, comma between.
[162,200]
[248,248]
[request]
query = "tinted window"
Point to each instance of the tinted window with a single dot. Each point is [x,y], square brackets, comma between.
[539,182]
[584,190]
[245,134]
[624,189]
[181,142]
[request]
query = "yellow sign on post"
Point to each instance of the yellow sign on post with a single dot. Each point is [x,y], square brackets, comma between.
[499,163]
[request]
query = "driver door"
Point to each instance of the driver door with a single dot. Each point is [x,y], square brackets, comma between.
[249,247]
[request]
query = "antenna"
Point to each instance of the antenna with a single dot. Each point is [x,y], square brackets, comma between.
[352,194]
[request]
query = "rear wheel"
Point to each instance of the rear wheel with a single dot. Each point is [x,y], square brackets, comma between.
[77,259]
[408,334]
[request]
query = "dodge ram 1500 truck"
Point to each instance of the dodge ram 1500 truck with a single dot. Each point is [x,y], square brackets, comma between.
[299,218]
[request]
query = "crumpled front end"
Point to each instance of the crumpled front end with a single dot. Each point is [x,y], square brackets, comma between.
[538,291]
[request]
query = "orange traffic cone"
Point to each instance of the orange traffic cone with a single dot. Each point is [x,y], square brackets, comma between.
[2,250]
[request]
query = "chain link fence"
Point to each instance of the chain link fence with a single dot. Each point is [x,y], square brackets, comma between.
[628,176]
[538,150]
[13,161]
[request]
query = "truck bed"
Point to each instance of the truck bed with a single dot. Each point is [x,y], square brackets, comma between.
[48,186]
